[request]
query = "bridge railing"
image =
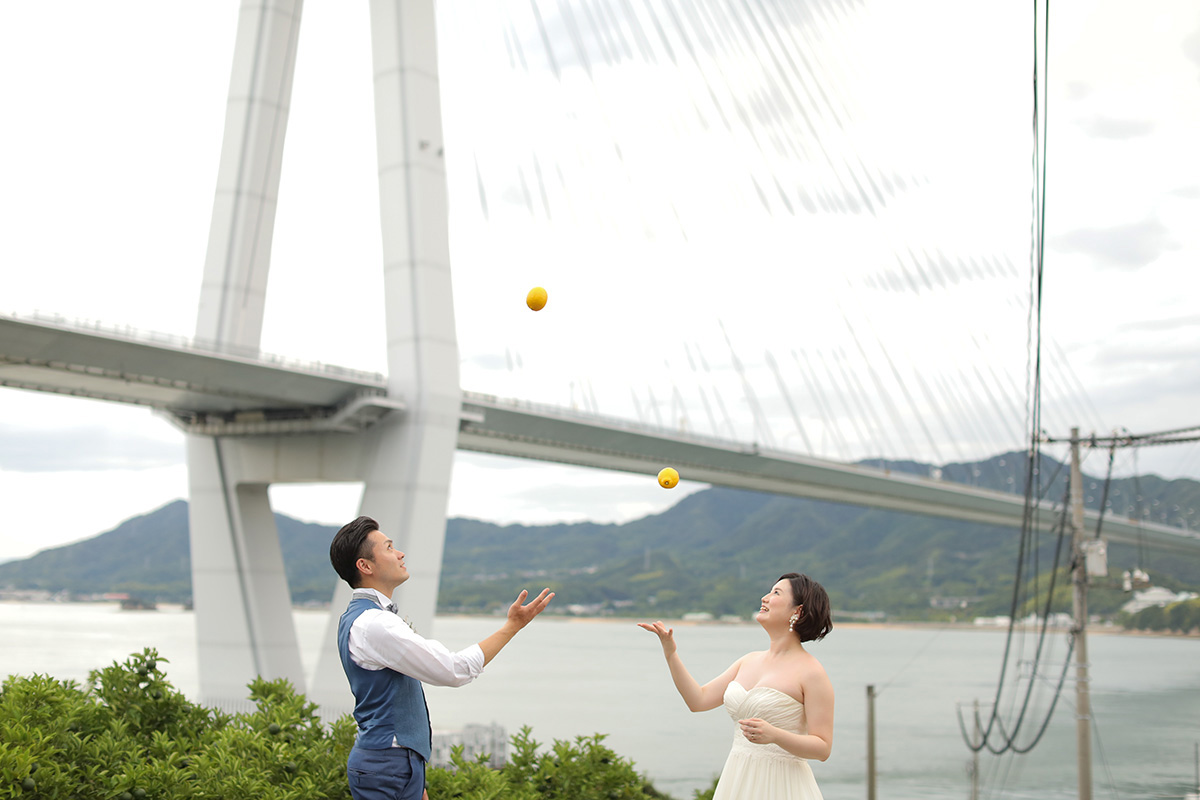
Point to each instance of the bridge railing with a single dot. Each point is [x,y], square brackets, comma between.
[194,345]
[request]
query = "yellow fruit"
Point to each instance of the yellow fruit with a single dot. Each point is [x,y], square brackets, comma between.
[536,299]
[667,478]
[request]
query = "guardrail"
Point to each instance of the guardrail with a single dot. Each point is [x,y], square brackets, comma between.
[194,345]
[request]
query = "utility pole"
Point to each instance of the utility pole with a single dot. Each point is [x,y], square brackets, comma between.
[1196,796]
[871,741]
[1083,707]
[975,757]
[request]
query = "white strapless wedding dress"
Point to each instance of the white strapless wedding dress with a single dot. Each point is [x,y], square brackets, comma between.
[765,771]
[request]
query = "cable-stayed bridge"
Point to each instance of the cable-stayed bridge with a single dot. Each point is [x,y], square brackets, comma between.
[207,392]
[252,421]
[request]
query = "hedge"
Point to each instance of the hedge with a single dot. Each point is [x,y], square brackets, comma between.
[130,735]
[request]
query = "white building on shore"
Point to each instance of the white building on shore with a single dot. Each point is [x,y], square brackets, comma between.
[490,740]
[1156,596]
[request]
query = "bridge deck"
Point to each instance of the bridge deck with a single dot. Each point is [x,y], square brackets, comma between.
[214,393]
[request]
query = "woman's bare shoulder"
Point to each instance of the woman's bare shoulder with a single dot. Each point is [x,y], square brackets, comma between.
[812,672]
[810,662]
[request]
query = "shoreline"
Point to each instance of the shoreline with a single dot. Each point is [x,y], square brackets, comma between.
[1094,628]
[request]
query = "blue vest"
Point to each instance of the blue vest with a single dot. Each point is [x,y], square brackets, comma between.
[388,705]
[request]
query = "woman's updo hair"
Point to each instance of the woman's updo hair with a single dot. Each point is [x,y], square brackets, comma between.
[815,620]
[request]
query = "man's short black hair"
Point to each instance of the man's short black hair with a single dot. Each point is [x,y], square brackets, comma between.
[347,548]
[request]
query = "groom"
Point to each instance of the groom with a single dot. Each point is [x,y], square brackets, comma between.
[387,663]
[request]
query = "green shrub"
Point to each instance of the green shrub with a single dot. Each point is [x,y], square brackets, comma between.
[1184,616]
[706,794]
[473,780]
[585,770]
[129,735]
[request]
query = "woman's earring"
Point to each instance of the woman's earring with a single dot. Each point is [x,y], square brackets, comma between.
[792,622]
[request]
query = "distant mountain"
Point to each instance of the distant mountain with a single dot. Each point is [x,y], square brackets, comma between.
[716,550]
[147,556]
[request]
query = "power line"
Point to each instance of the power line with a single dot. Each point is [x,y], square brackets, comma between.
[1033,406]
[1174,436]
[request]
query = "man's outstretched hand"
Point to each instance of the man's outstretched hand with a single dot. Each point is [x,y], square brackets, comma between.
[521,615]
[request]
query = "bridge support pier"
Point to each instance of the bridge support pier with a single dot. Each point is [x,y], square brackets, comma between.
[243,609]
[239,588]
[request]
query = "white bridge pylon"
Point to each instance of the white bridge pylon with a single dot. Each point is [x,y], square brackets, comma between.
[243,609]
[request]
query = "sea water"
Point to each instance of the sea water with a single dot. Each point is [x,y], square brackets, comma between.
[566,678]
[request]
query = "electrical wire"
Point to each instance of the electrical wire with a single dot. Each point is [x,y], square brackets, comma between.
[1033,411]
[908,663]
[1103,758]
[1138,510]
[1009,739]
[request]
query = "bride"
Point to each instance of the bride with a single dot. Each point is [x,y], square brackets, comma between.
[780,699]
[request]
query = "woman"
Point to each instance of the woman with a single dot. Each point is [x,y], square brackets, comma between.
[780,698]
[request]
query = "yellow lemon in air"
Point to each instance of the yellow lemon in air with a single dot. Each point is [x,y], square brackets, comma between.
[536,299]
[667,478]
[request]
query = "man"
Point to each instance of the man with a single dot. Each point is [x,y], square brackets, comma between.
[387,662]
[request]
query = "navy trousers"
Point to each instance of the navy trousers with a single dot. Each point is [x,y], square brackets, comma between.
[396,773]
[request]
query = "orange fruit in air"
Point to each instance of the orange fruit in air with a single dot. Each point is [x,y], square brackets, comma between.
[536,299]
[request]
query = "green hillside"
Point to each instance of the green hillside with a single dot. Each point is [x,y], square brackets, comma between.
[716,551]
[147,556]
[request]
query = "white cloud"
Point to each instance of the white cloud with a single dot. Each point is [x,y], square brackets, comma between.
[43,510]
[1128,246]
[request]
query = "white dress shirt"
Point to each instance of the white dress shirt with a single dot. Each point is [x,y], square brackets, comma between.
[379,639]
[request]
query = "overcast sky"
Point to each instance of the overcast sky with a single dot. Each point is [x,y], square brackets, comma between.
[681,200]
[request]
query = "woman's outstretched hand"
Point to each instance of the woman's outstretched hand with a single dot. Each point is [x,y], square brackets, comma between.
[666,636]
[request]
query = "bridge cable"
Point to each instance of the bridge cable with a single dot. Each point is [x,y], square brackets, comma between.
[889,405]
[787,399]
[965,418]
[827,416]
[846,399]
[942,417]
[862,399]
[903,387]
[1061,358]
[762,426]
[1000,389]
[712,421]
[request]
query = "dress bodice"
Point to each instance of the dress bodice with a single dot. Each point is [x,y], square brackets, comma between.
[780,709]
[764,771]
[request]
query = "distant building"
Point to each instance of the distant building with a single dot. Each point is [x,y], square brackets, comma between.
[1057,620]
[586,609]
[25,595]
[1155,596]
[490,740]
[860,616]
[939,601]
